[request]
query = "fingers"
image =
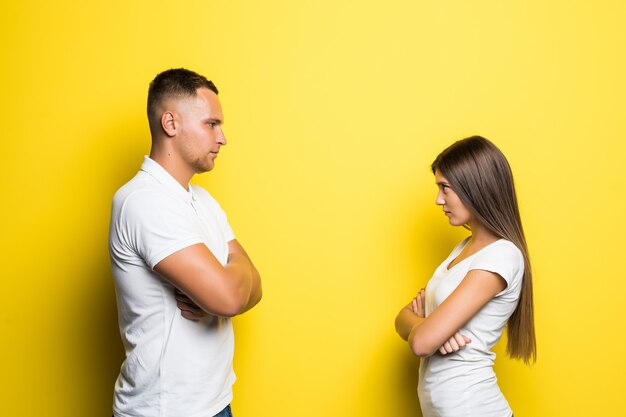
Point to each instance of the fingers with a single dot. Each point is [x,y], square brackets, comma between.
[192,316]
[180,296]
[188,309]
[185,303]
[458,340]
[454,344]
[461,339]
[417,305]
[420,305]
[188,306]
[447,348]
[191,312]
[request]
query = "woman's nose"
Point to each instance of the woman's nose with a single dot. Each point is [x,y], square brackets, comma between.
[439,200]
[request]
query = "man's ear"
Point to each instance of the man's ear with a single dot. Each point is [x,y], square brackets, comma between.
[168,124]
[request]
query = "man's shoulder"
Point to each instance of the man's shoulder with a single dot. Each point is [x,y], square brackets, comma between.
[141,192]
[138,182]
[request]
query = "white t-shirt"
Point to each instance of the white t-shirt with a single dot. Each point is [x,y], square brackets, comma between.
[463,384]
[174,366]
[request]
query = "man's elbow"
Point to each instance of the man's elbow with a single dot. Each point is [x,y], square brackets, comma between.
[237,299]
[228,304]
[252,301]
[260,293]
[231,308]
[256,294]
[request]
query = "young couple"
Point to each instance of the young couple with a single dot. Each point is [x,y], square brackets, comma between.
[180,274]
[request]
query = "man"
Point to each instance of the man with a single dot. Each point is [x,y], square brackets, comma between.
[179,272]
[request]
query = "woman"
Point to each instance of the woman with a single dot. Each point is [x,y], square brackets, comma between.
[482,285]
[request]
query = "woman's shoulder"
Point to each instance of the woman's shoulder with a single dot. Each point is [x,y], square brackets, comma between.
[501,257]
[503,247]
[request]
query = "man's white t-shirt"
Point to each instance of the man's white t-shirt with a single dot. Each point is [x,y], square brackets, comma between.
[463,383]
[174,366]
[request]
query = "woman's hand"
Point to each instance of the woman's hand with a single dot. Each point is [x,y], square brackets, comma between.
[454,344]
[418,304]
[411,315]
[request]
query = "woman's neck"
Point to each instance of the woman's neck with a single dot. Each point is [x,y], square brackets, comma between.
[481,236]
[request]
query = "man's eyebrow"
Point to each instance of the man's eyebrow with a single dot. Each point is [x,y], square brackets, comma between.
[214,120]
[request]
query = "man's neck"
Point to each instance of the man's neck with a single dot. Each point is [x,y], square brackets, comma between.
[170,162]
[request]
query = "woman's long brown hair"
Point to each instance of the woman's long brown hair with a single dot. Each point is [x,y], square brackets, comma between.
[481,176]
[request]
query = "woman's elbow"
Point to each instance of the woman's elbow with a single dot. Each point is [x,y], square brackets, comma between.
[400,329]
[420,347]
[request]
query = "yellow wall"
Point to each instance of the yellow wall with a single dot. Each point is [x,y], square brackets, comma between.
[334,110]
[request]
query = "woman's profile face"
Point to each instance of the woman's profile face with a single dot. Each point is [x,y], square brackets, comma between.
[452,206]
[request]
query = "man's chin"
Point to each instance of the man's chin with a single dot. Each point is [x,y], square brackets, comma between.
[204,168]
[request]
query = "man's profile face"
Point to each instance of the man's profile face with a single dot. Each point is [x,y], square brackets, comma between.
[199,124]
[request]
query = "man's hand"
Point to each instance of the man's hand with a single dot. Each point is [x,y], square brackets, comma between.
[188,308]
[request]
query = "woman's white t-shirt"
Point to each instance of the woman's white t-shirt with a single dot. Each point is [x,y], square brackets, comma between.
[463,383]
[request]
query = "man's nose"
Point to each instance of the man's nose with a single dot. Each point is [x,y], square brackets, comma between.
[221,139]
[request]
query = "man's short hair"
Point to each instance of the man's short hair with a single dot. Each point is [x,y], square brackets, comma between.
[174,83]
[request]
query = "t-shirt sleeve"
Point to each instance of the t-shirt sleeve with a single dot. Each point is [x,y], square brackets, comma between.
[156,226]
[226,229]
[502,258]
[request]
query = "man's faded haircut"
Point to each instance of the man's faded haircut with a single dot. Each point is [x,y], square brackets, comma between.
[174,83]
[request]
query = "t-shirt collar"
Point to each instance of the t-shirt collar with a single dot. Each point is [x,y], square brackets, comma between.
[161,175]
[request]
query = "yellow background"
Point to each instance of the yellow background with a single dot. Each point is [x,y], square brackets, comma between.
[334,111]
